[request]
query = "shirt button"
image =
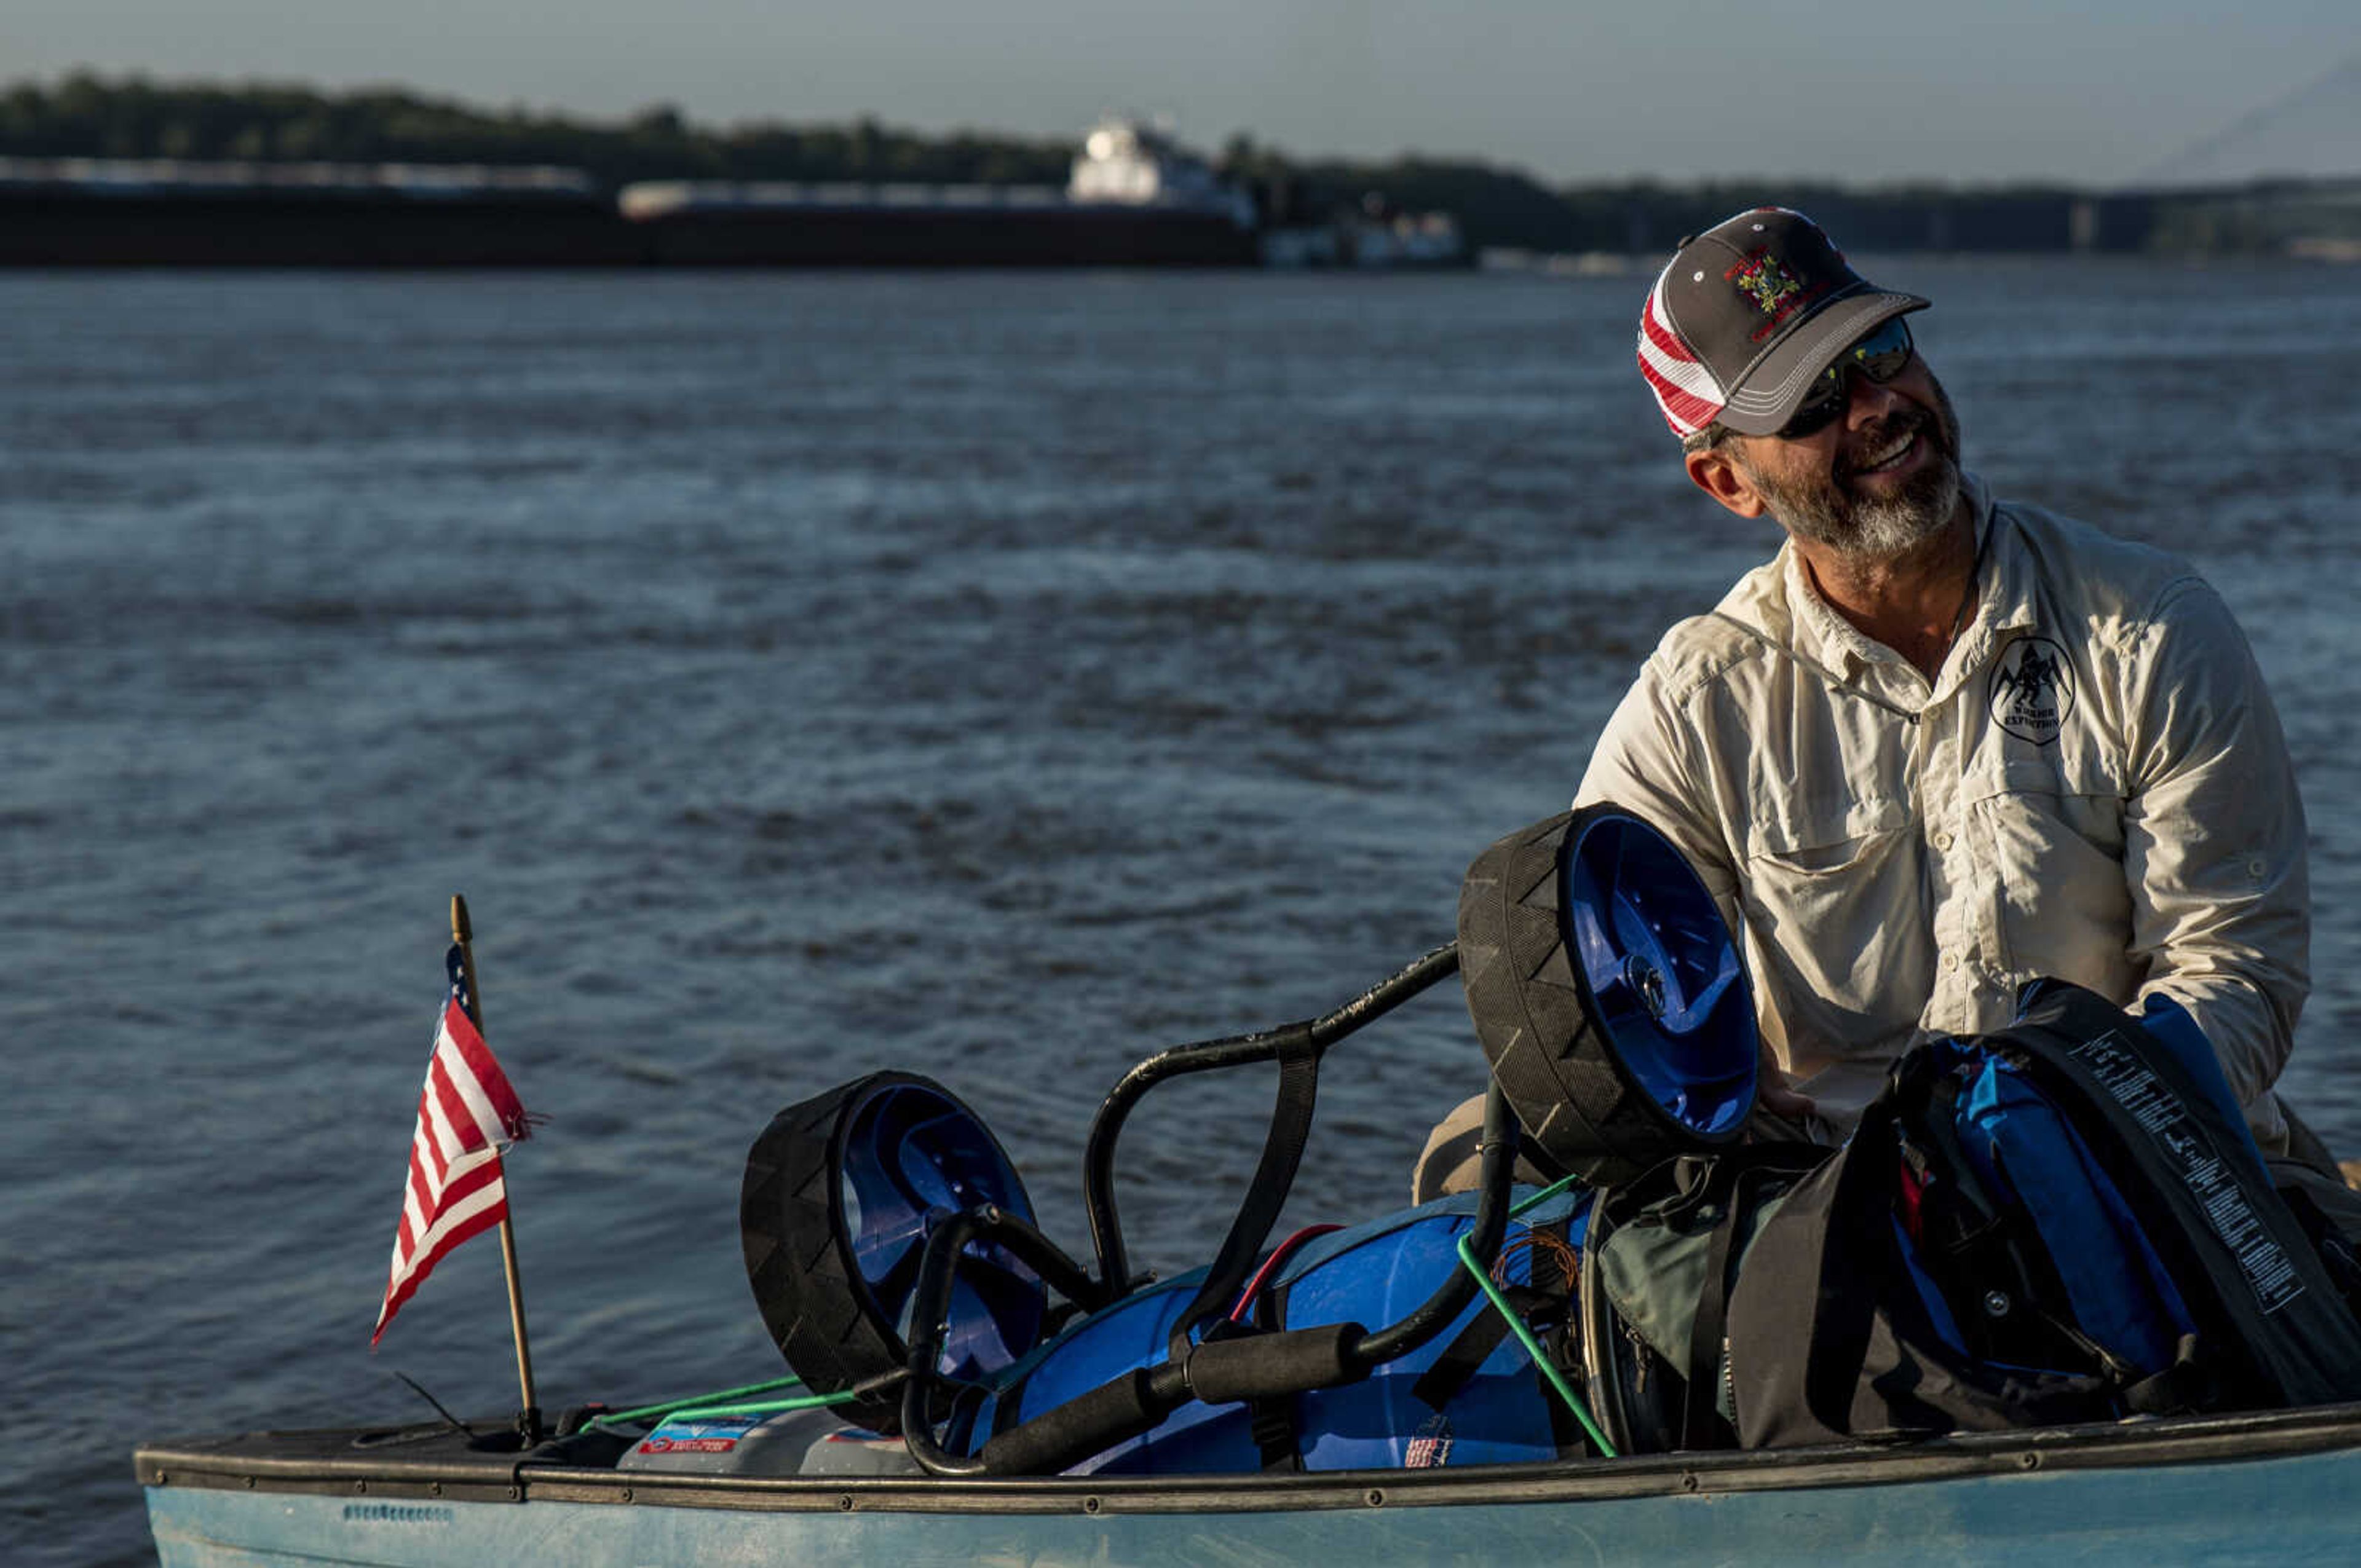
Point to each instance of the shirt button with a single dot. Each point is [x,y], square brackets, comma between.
[1950,963]
[1943,840]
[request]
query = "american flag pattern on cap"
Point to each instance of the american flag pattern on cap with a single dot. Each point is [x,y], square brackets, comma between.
[1688,393]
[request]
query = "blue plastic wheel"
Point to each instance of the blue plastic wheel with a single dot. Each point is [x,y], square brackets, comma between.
[1663,973]
[912,1157]
[841,1193]
[1609,993]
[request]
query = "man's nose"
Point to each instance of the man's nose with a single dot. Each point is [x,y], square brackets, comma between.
[1872,400]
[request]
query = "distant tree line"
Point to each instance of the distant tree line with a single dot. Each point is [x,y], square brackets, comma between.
[85,114]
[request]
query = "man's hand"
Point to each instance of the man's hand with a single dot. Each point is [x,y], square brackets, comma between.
[1774,1093]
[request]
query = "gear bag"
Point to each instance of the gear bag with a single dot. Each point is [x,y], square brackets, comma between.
[2063,1221]
[1662,1252]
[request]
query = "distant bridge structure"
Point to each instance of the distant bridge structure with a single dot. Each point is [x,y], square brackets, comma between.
[2312,135]
[2315,219]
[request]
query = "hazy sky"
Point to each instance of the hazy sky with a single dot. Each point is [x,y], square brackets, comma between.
[1865,89]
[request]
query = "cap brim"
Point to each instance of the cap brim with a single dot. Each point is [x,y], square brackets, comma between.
[1768,395]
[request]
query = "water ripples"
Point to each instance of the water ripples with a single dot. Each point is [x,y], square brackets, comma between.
[997,677]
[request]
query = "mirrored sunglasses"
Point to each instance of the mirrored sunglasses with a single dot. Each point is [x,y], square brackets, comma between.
[1879,356]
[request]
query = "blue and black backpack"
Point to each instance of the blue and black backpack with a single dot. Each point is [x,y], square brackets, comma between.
[2066,1221]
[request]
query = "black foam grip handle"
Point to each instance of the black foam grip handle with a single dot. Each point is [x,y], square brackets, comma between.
[1113,1412]
[1259,1366]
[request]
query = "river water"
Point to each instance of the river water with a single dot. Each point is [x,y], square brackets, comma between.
[993,676]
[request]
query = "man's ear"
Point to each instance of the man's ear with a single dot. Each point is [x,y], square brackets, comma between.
[1717,473]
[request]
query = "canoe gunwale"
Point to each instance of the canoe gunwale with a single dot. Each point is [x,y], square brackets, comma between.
[247,1463]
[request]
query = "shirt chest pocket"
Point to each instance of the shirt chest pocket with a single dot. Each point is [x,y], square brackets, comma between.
[1809,837]
[2053,828]
[1808,863]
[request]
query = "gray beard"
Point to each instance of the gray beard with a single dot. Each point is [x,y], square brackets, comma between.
[1873,529]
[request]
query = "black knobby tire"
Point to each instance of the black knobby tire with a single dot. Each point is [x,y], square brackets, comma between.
[1538,1020]
[797,1259]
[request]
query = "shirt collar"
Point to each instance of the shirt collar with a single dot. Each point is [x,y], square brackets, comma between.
[2005,590]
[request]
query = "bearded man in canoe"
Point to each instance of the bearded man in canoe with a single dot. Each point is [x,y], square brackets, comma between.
[1942,743]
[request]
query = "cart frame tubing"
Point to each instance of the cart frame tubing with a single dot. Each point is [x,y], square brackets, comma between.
[1312,1037]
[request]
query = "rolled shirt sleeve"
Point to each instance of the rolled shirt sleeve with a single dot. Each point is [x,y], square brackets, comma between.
[2214,843]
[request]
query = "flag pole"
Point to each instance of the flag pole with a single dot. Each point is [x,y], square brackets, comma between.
[528,1415]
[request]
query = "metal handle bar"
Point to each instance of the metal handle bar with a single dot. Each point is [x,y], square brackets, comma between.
[1313,1035]
[930,1306]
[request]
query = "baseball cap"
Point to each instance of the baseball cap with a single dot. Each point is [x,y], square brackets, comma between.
[1746,314]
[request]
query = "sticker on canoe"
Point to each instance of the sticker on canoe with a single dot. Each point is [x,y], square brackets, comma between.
[699,1437]
[1431,1447]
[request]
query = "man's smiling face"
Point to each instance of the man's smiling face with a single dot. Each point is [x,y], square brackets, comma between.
[1871,485]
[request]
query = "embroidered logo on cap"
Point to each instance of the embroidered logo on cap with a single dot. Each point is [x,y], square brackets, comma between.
[1776,291]
[2033,690]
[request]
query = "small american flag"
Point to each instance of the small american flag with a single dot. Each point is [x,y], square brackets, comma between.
[466,1114]
[1431,1447]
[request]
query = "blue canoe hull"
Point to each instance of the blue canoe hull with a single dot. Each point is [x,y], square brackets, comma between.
[2275,1488]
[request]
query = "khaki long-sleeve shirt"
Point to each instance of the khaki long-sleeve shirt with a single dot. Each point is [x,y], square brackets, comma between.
[2094,787]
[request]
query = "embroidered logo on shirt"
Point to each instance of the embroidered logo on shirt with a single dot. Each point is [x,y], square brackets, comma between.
[2033,690]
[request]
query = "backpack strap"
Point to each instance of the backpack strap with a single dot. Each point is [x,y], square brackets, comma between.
[1803,1312]
[1282,1151]
[2186,1384]
[2178,1155]
[1278,1435]
[1755,1173]
[1544,1302]
[2327,1237]
[1452,1371]
[1708,1335]
[1969,1232]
